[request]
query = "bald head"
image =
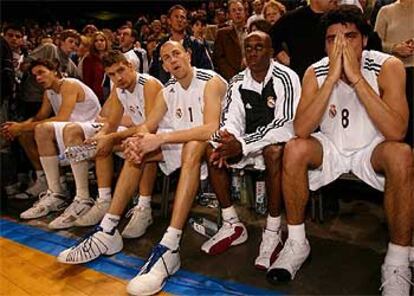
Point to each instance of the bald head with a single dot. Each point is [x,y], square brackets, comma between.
[262,35]
[174,44]
[175,59]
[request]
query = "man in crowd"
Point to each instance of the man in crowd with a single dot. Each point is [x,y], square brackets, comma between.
[228,48]
[177,21]
[253,127]
[357,99]
[188,109]
[137,56]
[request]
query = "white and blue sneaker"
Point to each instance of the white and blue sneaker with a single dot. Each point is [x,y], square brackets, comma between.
[92,246]
[161,264]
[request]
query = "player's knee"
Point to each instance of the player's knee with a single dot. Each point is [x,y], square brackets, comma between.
[398,157]
[295,152]
[44,132]
[192,153]
[72,134]
[272,155]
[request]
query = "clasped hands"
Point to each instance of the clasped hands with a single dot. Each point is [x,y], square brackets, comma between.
[228,150]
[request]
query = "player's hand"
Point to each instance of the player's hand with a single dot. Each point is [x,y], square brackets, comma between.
[335,58]
[217,161]
[352,68]
[148,143]
[130,147]
[229,146]
[10,130]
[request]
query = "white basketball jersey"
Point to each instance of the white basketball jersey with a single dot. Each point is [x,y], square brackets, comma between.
[134,103]
[346,122]
[84,111]
[186,106]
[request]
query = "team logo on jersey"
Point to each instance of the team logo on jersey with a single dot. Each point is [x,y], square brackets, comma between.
[133,109]
[271,102]
[178,113]
[332,111]
[172,90]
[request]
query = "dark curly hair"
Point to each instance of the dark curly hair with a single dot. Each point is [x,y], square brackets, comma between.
[345,14]
[52,65]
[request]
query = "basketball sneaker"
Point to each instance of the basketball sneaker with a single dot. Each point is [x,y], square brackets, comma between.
[140,220]
[270,247]
[396,280]
[95,214]
[76,209]
[48,202]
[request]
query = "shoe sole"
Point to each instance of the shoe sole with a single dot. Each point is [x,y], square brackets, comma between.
[131,292]
[284,275]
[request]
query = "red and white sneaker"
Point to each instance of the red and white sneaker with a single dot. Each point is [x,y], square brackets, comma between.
[270,247]
[230,234]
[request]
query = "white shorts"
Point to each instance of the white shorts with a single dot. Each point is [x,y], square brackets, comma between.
[171,154]
[334,164]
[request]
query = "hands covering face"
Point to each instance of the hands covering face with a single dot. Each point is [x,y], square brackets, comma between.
[343,61]
[229,150]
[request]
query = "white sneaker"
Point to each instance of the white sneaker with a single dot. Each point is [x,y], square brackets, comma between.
[396,280]
[290,259]
[33,191]
[269,249]
[48,202]
[92,246]
[140,220]
[95,214]
[161,264]
[76,209]
[227,236]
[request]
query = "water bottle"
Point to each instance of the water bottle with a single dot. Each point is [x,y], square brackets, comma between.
[203,226]
[80,152]
[260,194]
[244,190]
[235,185]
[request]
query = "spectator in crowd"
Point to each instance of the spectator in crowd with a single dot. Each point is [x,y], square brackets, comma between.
[127,38]
[220,18]
[377,6]
[253,127]
[14,38]
[257,12]
[89,30]
[177,20]
[395,27]
[92,70]
[156,30]
[228,53]
[81,52]
[357,99]
[190,128]
[260,25]
[273,11]
[300,30]
[109,36]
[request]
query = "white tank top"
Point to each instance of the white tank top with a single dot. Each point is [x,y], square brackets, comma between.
[186,106]
[346,122]
[134,103]
[84,111]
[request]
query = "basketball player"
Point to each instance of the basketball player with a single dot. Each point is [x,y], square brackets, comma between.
[256,120]
[357,98]
[133,96]
[187,111]
[70,100]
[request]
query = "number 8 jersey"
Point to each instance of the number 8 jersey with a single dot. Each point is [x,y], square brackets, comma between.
[186,106]
[346,122]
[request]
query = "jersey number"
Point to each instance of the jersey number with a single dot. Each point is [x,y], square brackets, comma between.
[190,110]
[345,118]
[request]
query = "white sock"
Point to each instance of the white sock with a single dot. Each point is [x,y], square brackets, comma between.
[50,165]
[397,255]
[171,238]
[144,202]
[273,223]
[229,215]
[297,232]
[109,222]
[105,193]
[40,176]
[80,174]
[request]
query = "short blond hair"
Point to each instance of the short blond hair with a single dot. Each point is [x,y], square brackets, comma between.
[275,4]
